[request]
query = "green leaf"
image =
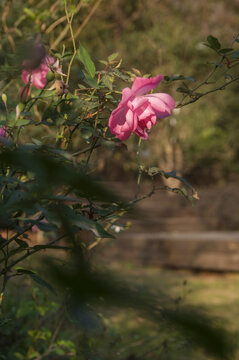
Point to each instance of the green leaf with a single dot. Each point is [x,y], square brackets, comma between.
[113,56]
[225,50]
[22,122]
[21,270]
[22,243]
[93,226]
[90,81]
[178,77]
[213,42]
[235,54]
[184,90]
[173,174]
[69,53]
[87,62]
[42,282]
[107,81]
[103,62]
[30,13]
[36,142]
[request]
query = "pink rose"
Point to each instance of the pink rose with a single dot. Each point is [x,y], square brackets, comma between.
[137,112]
[3,131]
[37,76]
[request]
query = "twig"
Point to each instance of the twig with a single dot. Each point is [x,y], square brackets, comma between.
[77,33]
[69,20]
[85,150]
[198,96]
[29,253]
[57,22]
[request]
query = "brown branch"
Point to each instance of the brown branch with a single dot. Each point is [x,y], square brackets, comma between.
[77,33]
[198,96]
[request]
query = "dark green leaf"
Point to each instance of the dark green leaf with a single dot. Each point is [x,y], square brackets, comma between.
[235,54]
[213,42]
[178,77]
[42,282]
[25,271]
[22,243]
[225,50]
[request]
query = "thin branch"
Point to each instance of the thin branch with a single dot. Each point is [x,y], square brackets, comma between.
[30,253]
[65,30]
[91,13]
[198,96]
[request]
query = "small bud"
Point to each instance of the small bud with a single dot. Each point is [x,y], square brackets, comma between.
[25,94]
[61,87]
[50,76]
[3,131]
[19,108]
[4,99]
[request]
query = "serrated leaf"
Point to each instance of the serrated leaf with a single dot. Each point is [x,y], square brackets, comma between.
[107,82]
[86,61]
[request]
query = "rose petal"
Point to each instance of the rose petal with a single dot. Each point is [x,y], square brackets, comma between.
[25,76]
[161,103]
[121,123]
[137,102]
[126,94]
[141,133]
[143,85]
